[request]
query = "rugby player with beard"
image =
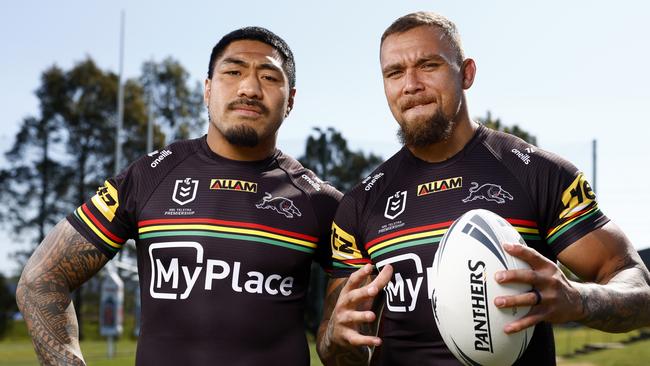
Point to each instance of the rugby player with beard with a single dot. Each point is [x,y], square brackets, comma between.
[395,224]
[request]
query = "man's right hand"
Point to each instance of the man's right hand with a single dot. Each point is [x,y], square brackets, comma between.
[343,337]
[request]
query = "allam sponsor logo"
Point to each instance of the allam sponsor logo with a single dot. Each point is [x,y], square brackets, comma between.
[179,269]
[233,185]
[440,185]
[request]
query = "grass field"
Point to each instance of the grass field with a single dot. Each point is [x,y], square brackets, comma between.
[18,351]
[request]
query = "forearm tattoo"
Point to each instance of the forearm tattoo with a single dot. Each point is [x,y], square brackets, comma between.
[60,264]
[622,304]
[334,354]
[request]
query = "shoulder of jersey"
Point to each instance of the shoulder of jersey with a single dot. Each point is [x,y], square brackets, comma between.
[305,179]
[517,153]
[157,164]
[377,181]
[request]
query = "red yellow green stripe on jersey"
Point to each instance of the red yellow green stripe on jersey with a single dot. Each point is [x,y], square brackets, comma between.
[233,230]
[571,221]
[111,241]
[431,234]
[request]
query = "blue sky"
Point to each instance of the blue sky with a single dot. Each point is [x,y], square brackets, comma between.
[568,72]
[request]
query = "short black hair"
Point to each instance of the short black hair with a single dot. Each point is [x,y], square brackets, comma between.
[257,34]
[424,18]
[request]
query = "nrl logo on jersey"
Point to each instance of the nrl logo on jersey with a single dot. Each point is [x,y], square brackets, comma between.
[395,205]
[439,186]
[233,185]
[185,191]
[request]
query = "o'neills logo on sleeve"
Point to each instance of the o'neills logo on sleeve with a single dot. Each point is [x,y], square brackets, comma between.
[233,185]
[439,186]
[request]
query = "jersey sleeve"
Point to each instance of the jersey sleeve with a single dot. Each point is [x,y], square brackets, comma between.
[325,204]
[570,209]
[348,253]
[107,219]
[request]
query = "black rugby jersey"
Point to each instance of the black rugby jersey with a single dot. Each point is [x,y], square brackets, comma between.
[399,213]
[224,252]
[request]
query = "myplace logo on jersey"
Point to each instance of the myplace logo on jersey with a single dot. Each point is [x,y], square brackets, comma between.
[395,205]
[402,293]
[185,191]
[161,156]
[180,268]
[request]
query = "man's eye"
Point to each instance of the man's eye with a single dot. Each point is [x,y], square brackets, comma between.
[231,72]
[269,78]
[430,65]
[393,74]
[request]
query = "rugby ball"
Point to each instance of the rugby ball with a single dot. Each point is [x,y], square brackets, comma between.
[464,289]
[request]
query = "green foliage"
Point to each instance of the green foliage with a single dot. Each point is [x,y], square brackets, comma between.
[496,124]
[177,107]
[63,152]
[328,155]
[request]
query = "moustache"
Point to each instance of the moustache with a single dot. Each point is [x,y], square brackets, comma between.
[415,101]
[248,102]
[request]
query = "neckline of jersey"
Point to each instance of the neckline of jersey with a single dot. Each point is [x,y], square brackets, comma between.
[252,163]
[477,138]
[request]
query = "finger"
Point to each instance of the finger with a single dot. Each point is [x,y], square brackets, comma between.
[355,317]
[357,278]
[355,338]
[528,321]
[360,297]
[381,280]
[527,254]
[525,299]
[518,275]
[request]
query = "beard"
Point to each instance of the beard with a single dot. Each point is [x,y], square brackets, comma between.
[436,129]
[241,135]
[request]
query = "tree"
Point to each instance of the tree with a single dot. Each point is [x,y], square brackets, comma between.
[177,107]
[36,184]
[495,124]
[328,155]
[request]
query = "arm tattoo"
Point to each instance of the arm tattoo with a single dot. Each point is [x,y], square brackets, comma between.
[60,264]
[621,305]
[333,354]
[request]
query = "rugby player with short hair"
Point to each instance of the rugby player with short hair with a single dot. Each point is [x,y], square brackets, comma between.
[449,165]
[226,228]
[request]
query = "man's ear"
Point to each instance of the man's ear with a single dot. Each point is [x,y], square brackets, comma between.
[469,71]
[206,91]
[292,94]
